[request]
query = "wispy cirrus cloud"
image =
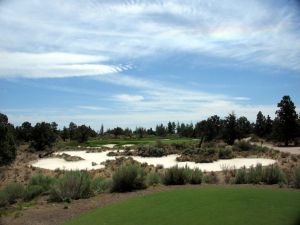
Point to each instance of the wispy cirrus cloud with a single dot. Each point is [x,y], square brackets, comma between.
[128,98]
[124,30]
[54,65]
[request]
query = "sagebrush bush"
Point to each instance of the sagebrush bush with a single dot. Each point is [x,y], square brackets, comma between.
[3,199]
[42,180]
[225,153]
[153,178]
[243,146]
[150,151]
[255,174]
[32,191]
[11,193]
[241,176]
[210,178]
[128,178]
[296,177]
[273,175]
[175,176]
[100,185]
[72,185]
[195,176]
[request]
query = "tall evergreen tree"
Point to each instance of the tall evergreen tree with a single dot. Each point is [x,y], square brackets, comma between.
[230,129]
[65,134]
[43,136]
[7,141]
[286,118]
[269,126]
[101,130]
[260,125]
[243,127]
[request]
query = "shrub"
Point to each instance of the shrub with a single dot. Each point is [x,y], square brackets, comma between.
[153,179]
[41,180]
[72,185]
[195,176]
[273,175]
[240,177]
[175,176]
[225,153]
[211,178]
[255,174]
[150,151]
[32,191]
[242,146]
[128,178]
[3,199]
[296,177]
[13,192]
[100,185]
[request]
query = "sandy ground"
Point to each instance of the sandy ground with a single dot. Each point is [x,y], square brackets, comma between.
[292,150]
[128,145]
[93,161]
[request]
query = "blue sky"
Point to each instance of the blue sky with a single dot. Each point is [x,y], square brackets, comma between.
[131,63]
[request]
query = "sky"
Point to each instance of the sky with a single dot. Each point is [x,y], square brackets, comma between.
[140,62]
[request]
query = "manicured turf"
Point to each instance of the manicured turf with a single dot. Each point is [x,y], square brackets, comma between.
[136,141]
[201,206]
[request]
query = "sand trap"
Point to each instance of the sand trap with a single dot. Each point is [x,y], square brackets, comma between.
[128,145]
[109,145]
[165,161]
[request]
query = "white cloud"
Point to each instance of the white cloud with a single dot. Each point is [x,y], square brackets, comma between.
[53,65]
[129,98]
[247,31]
[91,107]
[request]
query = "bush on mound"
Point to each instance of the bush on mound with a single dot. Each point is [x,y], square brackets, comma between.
[296,177]
[11,193]
[181,176]
[41,180]
[100,185]
[153,179]
[72,185]
[128,178]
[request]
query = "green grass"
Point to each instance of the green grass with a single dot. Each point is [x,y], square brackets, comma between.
[201,206]
[136,141]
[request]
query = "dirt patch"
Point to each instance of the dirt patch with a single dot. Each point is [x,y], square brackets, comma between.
[292,150]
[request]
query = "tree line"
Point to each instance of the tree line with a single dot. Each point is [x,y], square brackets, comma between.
[42,136]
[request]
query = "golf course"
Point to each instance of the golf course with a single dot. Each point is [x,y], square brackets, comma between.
[205,205]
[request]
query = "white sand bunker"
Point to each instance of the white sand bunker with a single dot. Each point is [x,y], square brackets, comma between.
[109,145]
[93,161]
[128,145]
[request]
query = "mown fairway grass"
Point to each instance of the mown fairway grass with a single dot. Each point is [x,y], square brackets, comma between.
[136,141]
[201,206]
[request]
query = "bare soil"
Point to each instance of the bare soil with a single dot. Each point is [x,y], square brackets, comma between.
[288,149]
